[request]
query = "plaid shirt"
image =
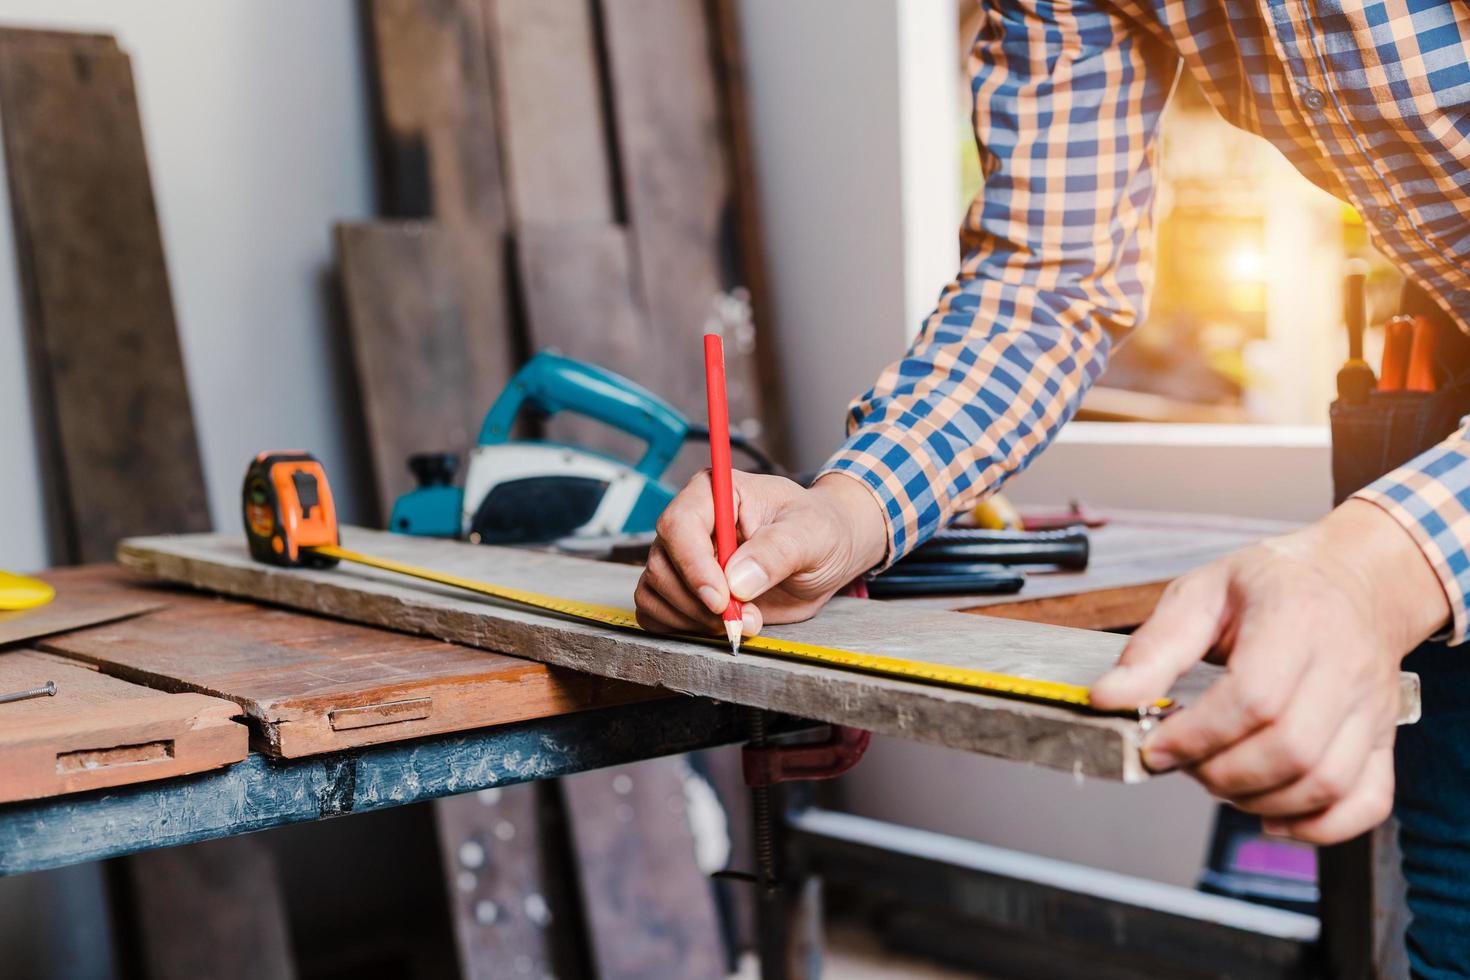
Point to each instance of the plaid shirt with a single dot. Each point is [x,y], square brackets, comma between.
[1370,100]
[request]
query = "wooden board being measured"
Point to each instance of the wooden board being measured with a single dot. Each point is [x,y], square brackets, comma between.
[1044,735]
[99,731]
[313,685]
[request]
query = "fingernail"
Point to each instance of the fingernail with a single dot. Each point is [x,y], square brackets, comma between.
[710,596]
[1158,760]
[747,579]
[1276,828]
[749,625]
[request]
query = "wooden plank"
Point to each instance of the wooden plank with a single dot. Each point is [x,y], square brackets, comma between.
[650,911]
[553,127]
[491,846]
[438,128]
[99,731]
[118,432]
[71,609]
[1105,747]
[232,892]
[675,168]
[410,343]
[312,685]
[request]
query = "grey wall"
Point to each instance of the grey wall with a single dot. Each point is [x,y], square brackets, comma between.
[258,137]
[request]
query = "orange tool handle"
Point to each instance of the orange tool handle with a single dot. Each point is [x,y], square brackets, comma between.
[1420,375]
[1398,336]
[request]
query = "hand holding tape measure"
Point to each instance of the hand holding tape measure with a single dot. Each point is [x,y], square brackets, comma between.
[291,521]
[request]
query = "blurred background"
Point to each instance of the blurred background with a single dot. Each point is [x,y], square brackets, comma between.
[258,125]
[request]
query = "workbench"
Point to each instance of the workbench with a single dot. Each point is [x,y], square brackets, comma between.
[331,718]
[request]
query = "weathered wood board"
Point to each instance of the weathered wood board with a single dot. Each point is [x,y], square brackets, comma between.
[410,344]
[71,609]
[1050,736]
[655,913]
[314,685]
[118,435]
[553,127]
[676,175]
[438,129]
[99,731]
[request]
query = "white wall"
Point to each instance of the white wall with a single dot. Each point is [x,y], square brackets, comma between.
[857,253]
[257,125]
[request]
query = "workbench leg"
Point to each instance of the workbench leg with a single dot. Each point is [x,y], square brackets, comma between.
[788,914]
[1363,907]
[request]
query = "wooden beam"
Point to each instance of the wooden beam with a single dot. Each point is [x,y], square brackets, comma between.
[118,434]
[99,731]
[1098,746]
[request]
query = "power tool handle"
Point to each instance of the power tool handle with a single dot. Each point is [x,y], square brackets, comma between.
[554,383]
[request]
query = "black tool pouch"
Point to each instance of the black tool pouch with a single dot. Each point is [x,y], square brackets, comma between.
[1393,427]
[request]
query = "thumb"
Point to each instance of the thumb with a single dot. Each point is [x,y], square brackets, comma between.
[1183,628]
[768,557]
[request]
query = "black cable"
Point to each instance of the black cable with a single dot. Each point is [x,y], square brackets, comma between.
[757,455]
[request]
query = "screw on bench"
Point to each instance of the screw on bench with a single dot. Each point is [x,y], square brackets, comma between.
[46,690]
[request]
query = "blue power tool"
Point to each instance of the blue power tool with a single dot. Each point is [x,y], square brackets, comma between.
[518,491]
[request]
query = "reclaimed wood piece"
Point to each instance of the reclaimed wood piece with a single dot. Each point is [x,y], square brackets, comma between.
[553,126]
[118,435]
[650,911]
[491,850]
[68,611]
[55,832]
[1105,747]
[312,685]
[438,127]
[675,170]
[100,731]
[410,345]
[233,894]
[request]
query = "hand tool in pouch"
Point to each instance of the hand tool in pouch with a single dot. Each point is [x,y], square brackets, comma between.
[1355,378]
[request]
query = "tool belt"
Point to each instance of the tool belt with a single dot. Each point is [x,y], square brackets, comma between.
[1392,427]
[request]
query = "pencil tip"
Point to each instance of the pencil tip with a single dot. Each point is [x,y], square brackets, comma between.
[732,630]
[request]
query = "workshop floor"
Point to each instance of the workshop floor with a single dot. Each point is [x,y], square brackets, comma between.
[853,953]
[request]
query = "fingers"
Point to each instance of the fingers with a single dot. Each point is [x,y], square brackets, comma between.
[1364,807]
[771,555]
[1322,785]
[657,615]
[1183,628]
[684,531]
[1266,669]
[664,580]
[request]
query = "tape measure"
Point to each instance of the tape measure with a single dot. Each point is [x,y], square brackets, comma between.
[290,521]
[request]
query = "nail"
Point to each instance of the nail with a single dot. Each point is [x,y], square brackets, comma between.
[710,596]
[748,624]
[1159,761]
[747,579]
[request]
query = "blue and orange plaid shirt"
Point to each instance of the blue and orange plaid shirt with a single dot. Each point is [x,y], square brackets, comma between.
[1370,100]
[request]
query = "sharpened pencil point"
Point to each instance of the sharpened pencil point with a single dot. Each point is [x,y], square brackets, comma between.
[732,630]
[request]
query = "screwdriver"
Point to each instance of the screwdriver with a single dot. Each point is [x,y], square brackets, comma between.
[1355,378]
[1398,334]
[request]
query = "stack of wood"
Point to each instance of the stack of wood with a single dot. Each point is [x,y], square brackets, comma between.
[572,175]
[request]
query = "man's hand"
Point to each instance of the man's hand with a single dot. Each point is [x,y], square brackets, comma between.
[1312,628]
[799,547]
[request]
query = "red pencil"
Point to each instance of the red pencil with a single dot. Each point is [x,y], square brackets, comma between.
[719,465]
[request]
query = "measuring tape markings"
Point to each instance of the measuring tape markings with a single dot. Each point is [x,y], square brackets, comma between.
[1050,692]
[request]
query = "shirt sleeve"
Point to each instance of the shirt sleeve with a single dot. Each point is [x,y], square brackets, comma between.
[1057,261]
[1430,497]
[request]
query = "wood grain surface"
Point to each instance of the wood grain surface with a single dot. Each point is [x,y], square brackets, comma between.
[441,160]
[676,181]
[655,915]
[99,731]
[118,438]
[410,345]
[1045,735]
[312,685]
[553,126]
